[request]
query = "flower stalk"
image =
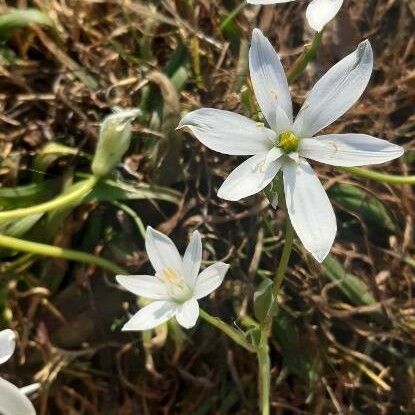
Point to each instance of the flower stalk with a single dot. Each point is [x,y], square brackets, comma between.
[57,252]
[380,177]
[74,196]
[232,333]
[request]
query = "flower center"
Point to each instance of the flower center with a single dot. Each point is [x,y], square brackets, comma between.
[176,284]
[288,142]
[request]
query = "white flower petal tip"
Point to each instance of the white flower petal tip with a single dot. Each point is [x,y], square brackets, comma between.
[29,389]
[151,316]
[268,79]
[320,12]
[227,132]
[188,313]
[249,178]
[336,91]
[309,208]
[7,345]
[13,401]
[349,150]
[210,279]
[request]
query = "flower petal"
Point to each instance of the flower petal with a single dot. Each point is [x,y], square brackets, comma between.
[336,91]
[151,316]
[192,259]
[349,149]
[249,178]
[310,210]
[13,401]
[227,132]
[161,251]
[7,345]
[187,313]
[144,285]
[320,12]
[268,79]
[210,279]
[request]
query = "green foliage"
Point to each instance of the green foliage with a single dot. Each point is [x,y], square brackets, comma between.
[363,204]
[16,18]
[263,299]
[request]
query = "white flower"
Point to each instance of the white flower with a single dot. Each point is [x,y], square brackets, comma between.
[288,143]
[177,284]
[13,400]
[319,12]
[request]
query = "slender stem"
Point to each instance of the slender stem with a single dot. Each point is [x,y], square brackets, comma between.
[57,252]
[264,368]
[285,257]
[76,194]
[380,177]
[228,330]
[309,54]
[232,15]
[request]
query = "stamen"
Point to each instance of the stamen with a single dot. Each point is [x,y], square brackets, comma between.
[288,142]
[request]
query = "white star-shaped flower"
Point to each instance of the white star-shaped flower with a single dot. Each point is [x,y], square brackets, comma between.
[319,12]
[13,400]
[177,284]
[288,143]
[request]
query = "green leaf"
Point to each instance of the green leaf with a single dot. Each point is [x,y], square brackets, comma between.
[27,195]
[354,289]
[110,191]
[363,204]
[16,18]
[263,299]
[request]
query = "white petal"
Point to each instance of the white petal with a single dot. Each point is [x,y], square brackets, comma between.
[192,259]
[210,279]
[268,79]
[227,132]
[144,285]
[249,178]
[13,401]
[349,149]
[274,154]
[7,345]
[268,1]
[161,251]
[336,91]
[282,122]
[320,12]
[310,210]
[187,313]
[151,316]
[29,389]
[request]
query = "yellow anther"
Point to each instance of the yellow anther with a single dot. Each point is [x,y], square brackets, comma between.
[170,275]
[288,142]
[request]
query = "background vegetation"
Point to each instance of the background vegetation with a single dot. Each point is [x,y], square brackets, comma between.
[343,340]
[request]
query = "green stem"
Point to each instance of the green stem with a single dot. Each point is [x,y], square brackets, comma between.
[57,252]
[228,330]
[380,177]
[232,15]
[77,193]
[264,368]
[309,54]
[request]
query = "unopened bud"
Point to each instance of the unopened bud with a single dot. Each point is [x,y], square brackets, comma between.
[114,140]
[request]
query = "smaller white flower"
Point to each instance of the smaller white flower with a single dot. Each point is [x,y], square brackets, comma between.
[13,400]
[319,12]
[177,284]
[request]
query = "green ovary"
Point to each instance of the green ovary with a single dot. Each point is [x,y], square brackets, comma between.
[288,142]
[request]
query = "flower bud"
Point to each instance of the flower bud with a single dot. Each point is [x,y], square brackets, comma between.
[114,140]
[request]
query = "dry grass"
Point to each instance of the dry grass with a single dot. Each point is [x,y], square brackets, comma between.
[338,346]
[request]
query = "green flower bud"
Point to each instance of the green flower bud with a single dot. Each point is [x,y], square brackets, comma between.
[114,140]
